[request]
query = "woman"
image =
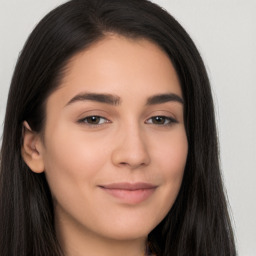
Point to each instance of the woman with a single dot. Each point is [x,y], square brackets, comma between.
[109,144]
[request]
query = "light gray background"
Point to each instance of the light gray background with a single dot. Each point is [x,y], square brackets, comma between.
[225,33]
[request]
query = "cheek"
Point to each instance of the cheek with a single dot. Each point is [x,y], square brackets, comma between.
[172,154]
[71,160]
[171,163]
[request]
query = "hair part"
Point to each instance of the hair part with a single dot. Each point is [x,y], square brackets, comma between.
[198,223]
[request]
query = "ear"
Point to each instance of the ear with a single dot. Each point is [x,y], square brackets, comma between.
[32,149]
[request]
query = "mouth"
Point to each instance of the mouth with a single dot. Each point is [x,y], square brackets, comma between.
[129,193]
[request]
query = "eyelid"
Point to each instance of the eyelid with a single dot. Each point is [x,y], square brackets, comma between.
[171,120]
[83,120]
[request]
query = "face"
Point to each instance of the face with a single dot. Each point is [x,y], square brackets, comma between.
[115,146]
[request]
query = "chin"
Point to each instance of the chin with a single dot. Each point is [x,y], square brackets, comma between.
[129,230]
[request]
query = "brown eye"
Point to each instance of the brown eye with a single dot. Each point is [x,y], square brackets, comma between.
[161,120]
[94,120]
[158,120]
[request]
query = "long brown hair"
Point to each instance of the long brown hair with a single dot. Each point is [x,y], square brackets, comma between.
[198,223]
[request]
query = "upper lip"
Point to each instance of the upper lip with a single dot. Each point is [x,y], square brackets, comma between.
[129,186]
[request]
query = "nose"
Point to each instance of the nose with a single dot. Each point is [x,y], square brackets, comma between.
[130,149]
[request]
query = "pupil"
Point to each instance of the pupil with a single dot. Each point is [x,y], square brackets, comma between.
[94,119]
[159,120]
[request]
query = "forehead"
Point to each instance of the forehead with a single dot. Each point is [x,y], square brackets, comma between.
[116,57]
[121,66]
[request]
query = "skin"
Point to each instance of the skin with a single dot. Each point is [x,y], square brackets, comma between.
[125,143]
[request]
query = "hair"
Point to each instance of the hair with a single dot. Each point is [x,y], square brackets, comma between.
[198,223]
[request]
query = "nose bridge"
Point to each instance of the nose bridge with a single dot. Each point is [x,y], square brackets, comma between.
[131,146]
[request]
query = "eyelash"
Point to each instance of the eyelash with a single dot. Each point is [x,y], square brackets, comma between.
[166,120]
[85,120]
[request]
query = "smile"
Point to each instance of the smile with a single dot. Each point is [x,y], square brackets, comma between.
[130,193]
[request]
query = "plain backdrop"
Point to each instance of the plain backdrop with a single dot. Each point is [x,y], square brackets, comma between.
[225,33]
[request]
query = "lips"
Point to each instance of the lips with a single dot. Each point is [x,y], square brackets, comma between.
[129,193]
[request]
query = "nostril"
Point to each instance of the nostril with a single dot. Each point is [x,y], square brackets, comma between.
[131,152]
[132,165]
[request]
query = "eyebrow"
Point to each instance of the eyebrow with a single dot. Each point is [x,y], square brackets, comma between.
[163,98]
[116,100]
[102,98]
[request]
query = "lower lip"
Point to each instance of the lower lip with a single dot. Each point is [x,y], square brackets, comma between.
[130,196]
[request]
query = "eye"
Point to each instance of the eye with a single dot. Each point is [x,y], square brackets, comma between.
[94,120]
[161,120]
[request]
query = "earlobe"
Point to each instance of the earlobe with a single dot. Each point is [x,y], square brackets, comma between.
[32,149]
